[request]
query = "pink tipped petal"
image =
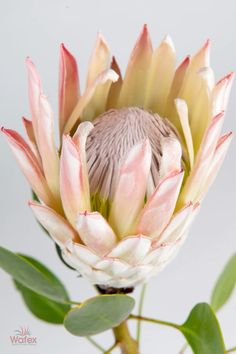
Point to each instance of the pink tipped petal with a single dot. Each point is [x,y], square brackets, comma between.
[131,249]
[115,88]
[104,79]
[95,232]
[47,147]
[29,166]
[198,176]
[182,109]
[218,159]
[176,226]
[131,189]
[58,228]
[135,80]
[73,183]
[177,83]
[100,59]
[202,58]
[28,125]
[68,86]
[161,74]
[160,206]
[171,156]
[34,90]
[221,94]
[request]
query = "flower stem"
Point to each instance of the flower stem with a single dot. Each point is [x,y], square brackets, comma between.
[152,320]
[96,345]
[231,350]
[124,339]
[140,308]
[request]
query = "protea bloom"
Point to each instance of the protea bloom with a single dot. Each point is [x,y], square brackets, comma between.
[136,157]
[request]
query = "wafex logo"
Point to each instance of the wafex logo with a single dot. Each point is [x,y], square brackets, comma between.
[23,336]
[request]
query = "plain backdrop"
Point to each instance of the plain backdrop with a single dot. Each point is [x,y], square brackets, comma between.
[36,28]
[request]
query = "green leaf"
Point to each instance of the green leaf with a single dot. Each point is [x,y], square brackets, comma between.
[225,285]
[202,331]
[42,307]
[30,276]
[98,314]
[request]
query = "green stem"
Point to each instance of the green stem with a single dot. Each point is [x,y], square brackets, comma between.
[185,346]
[140,309]
[231,350]
[108,351]
[123,338]
[152,320]
[95,344]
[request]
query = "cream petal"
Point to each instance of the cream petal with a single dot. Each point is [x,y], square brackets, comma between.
[104,80]
[115,88]
[29,166]
[176,86]
[73,181]
[100,59]
[113,267]
[58,228]
[162,69]
[131,189]
[182,110]
[69,91]
[200,109]
[75,262]
[95,232]
[131,249]
[160,206]
[47,146]
[135,80]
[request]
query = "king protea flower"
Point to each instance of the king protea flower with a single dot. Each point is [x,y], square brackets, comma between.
[136,157]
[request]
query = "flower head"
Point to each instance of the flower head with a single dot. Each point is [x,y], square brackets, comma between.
[136,157]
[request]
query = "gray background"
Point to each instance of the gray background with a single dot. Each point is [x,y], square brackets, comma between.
[36,28]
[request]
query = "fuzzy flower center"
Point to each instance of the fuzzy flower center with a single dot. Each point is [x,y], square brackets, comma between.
[115,133]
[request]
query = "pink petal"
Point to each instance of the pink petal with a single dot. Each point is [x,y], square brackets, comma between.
[68,86]
[135,80]
[176,226]
[106,77]
[47,146]
[221,94]
[218,159]
[34,90]
[160,206]
[197,178]
[29,166]
[171,156]
[95,232]
[73,181]
[58,228]
[131,189]
[28,125]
